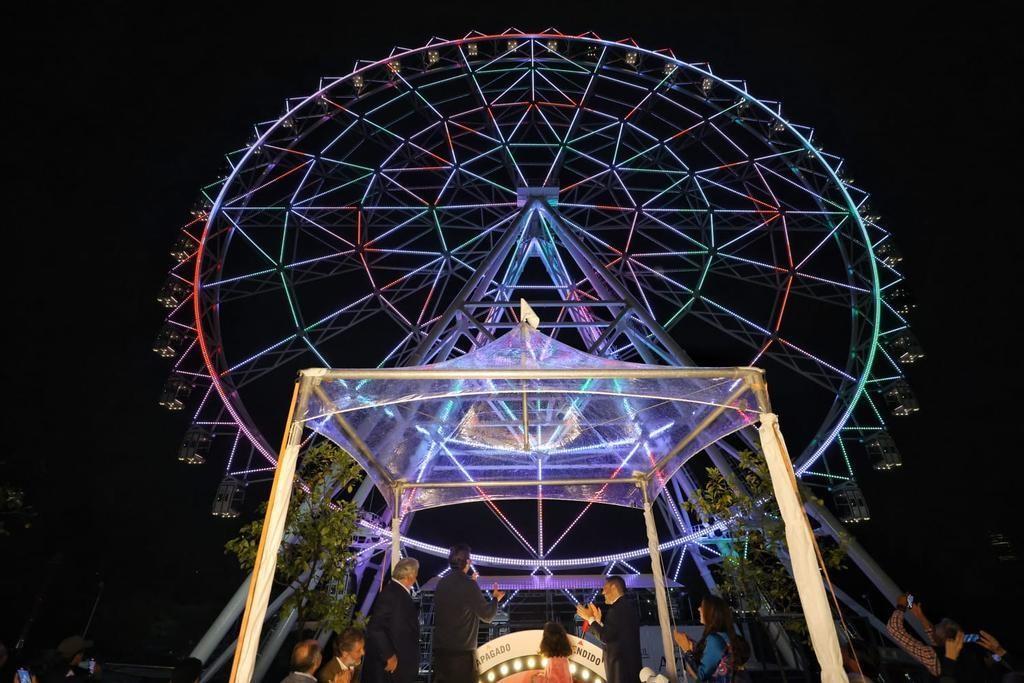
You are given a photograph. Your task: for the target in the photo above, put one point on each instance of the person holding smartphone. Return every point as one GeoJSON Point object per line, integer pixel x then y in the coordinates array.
{"type": "Point", "coordinates": [940, 656]}
{"type": "Point", "coordinates": [998, 653]}
{"type": "Point", "coordinates": [23, 675]}
{"type": "Point", "coordinates": [75, 666]}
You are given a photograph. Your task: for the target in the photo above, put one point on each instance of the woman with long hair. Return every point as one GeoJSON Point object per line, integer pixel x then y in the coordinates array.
{"type": "Point", "coordinates": [711, 658]}
{"type": "Point", "coordinates": [556, 648]}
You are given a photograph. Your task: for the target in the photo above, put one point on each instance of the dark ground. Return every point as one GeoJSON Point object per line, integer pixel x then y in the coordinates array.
{"type": "Point", "coordinates": [119, 115]}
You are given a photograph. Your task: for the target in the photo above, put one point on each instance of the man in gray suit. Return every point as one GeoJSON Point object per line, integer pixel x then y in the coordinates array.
{"type": "Point", "coordinates": [305, 662]}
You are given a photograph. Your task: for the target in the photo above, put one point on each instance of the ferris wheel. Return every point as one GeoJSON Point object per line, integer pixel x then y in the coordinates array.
{"type": "Point", "coordinates": [384, 220]}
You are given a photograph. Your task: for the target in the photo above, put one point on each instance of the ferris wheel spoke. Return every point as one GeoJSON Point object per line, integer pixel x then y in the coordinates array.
{"type": "Point", "coordinates": [828, 237]}
{"type": "Point", "coordinates": [762, 206]}
{"type": "Point", "coordinates": [829, 381]}
{"type": "Point", "coordinates": [248, 276]}
{"type": "Point", "coordinates": [678, 233]}
{"type": "Point", "coordinates": [277, 346]}
{"type": "Point", "coordinates": [818, 198]}
{"type": "Point", "coordinates": [625, 189]}
{"type": "Point", "coordinates": [483, 494]}
{"type": "Point", "coordinates": [515, 174]}
{"type": "Point", "coordinates": [647, 96]}
{"type": "Point", "coordinates": [598, 131]}
{"type": "Point", "coordinates": [550, 127]}
{"type": "Point", "coordinates": [496, 101]}
{"type": "Point", "coordinates": [422, 98]}
{"type": "Point", "coordinates": [275, 179]}
{"type": "Point", "coordinates": [303, 216]}
{"type": "Point", "coordinates": [673, 185]}
{"type": "Point", "coordinates": [568, 100]}
{"type": "Point", "coordinates": [739, 150]}
{"type": "Point", "coordinates": [615, 473]}
{"type": "Point", "coordinates": [402, 141]}
{"type": "Point", "coordinates": [299, 203]}
{"type": "Point", "coordinates": [760, 229]}
{"type": "Point", "coordinates": [805, 285]}
{"type": "Point", "coordinates": [770, 334]}
{"type": "Point", "coordinates": [403, 188]}
{"type": "Point", "coordinates": [578, 68]}
{"type": "Point", "coordinates": [556, 164]}
{"type": "Point", "coordinates": [727, 166]}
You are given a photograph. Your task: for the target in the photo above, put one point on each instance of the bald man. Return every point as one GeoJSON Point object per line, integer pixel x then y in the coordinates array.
{"type": "Point", "coordinates": [305, 661]}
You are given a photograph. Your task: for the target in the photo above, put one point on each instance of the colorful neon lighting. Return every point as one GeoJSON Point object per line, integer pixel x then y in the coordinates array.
{"type": "Point", "coordinates": [550, 94]}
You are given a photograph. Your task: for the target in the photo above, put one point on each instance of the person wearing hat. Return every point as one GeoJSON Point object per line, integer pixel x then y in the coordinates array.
{"type": "Point", "coordinates": [71, 651]}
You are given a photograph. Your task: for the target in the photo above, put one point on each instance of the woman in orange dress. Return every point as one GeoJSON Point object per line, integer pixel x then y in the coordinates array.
{"type": "Point", "coordinates": [556, 648]}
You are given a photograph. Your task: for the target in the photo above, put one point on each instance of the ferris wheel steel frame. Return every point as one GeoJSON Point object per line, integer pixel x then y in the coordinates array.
{"type": "Point", "coordinates": [569, 231]}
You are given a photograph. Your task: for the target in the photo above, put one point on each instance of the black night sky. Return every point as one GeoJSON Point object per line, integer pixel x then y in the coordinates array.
{"type": "Point", "coordinates": [119, 113]}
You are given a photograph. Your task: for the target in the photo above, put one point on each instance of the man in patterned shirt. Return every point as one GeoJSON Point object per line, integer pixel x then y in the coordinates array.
{"type": "Point", "coordinates": [946, 638]}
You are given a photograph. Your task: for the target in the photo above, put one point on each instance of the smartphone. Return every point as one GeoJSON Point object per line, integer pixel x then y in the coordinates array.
{"type": "Point", "coordinates": [24, 676]}
{"type": "Point", "coordinates": [971, 637]}
{"type": "Point", "coordinates": [89, 664]}
{"type": "Point", "coordinates": [910, 600]}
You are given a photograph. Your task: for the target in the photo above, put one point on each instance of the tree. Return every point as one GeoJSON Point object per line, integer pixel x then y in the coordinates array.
{"type": "Point", "coordinates": [316, 555]}
{"type": "Point", "coordinates": [753, 575]}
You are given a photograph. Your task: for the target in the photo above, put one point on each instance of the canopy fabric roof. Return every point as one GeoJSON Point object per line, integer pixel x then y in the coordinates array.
{"type": "Point", "coordinates": [527, 416]}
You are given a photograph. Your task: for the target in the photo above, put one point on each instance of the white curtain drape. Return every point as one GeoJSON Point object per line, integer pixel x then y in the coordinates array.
{"type": "Point", "coordinates": [804, 558]}
{"type": "Point", "coordinates": [270, 542]}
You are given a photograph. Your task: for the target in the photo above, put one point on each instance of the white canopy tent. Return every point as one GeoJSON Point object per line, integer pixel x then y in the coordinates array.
{"type": "Point", "coordinates": [525, 414]}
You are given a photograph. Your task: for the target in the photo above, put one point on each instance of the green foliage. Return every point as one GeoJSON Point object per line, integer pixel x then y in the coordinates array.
{"type": "Point", "coordinates": [751, 575]}
{"type": "Point", "coordinates": [317, 541]}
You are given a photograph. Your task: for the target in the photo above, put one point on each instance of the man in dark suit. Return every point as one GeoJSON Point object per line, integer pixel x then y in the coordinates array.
{"type": "Point", "coordinates": [459, 607]}
{"type": "Point", "coordinates": [618, 629]}
{"type": "Point", "coordinates": [393, 635]}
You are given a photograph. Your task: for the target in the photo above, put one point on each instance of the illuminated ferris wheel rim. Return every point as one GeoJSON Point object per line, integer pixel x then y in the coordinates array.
{"type": "Point", "coordinates": [229, 396]}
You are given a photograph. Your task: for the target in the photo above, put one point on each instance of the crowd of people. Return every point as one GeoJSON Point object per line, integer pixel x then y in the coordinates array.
{"type": "Point", "coordinates": [388, 650]}
{"type": "Point", "coordinates": [720, 655]}
{"type": "Point", "coordinates": [942, 650]}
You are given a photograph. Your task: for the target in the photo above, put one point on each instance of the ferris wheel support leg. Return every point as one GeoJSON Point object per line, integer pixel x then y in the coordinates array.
{"type": "Point", "coordinates": [272, 645]}
{"type": "Point", "coordinates": [856, 552]}
{"type": "Point", "coordinates": [683, 480]}
{"type": "Point", "coordinates": [861, 611]}
{"type": "Point", "coordinates": [273, 642]}
{"type": "Point", "coordinates": [227, 617]}
{"type": "Point", "coordinates": [211, 668]}
{"type": "Point", "coordinates": [483, 275]}
{"type": "Point", "coordinates": [359, 499]}
{"type": "Point", "coordinates": [375, 574]}
{"type": "Point", "coordinates": [836, 531]}
{"type": "Point", "coordinates": [582, 255]}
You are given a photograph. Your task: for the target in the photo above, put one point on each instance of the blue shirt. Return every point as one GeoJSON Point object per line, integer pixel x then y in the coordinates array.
{"type": "Point", "coordinates": [714, 648]}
